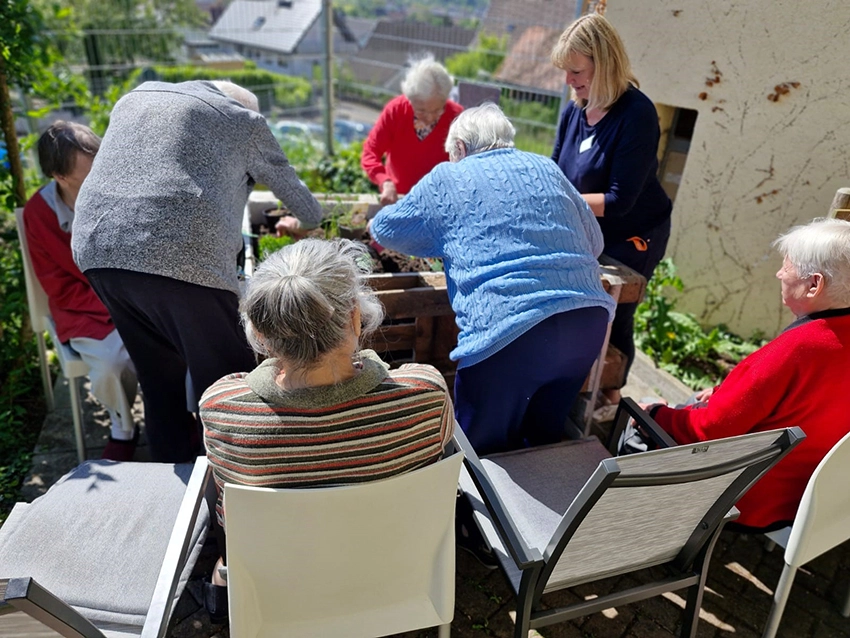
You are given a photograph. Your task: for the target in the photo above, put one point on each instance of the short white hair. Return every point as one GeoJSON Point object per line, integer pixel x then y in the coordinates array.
{"type": "Point", "coordinates": [821, 246]}
{"type": "Point", "coordinates": [426, 78]}
{"type": "Point", "coordinates": [238, 93]}
{"type": "Point", "coordinates": [480, 128]}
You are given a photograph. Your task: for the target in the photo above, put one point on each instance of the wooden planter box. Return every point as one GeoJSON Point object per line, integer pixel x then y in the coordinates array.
{"type": "Point", "coordinates": [420, 324]}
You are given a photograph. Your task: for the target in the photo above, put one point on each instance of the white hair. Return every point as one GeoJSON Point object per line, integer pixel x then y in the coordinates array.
{"type": "Point", "coordinates": [241, 95]}
{"type": "Point", "coordinates": [821, 246]}
{"type": "Point", "coordinates": [426, 78]}
{"type": "Point", "coordinates": [480, 128]}
{"type": "Point", "coordinates": [299, 301]}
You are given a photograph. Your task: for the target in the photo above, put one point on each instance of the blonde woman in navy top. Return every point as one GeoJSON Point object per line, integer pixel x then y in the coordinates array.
{"type": "Point", "coordinates": [607, 144]}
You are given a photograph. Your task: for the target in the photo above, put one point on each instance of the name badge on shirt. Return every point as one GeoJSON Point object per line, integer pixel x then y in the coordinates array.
{"type": "Point", "coordinates": [586, 144]}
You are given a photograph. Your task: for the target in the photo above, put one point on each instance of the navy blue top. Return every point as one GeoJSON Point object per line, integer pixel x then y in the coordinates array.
{"type": "Point", "coordinates": [616, 157]}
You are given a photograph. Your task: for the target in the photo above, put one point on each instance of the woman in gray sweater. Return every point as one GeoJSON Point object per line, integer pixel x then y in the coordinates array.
{"type": "Point", "coordinates": [158, 231]}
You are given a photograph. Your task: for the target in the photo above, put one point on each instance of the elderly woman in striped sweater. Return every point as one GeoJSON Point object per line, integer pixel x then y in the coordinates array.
{"type": "Point", "coordinates": [318, 411]}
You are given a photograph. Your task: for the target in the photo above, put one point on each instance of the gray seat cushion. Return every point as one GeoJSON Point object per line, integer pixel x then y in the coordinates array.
{"type": "Point", "coordinates": [538, 484]}
{"type": "Point", "coordinates": [97, 538]}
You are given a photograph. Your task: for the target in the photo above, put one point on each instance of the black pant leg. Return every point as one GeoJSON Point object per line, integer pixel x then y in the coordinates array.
{"type": "Point", "coordinates": [168, 326]}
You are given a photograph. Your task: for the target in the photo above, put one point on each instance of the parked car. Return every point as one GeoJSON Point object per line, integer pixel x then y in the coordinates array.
{"type": "Point", "coordinates": [288, 132]}
{"type": "Point", "coordinates": [347, 131]}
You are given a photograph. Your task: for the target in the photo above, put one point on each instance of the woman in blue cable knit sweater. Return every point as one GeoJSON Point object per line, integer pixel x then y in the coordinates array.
{"type": "Point", "coordinates": [519, 246]}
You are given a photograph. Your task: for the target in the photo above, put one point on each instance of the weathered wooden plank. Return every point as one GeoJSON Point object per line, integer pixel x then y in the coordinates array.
{"type": "Point", "coordinates": [613, 371]}
{"type": "Point", "coordinates": [394, 337]}
{"type": "Point", "coordinates": [416, 302]}
{"type": "Point", "coordinates": [614, 273]}
{"type": "Point", "coordinates": [425, 340]}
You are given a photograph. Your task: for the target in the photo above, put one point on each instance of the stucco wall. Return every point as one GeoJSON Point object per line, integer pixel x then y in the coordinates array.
{"type": "Point", "coordinates": [756, 166]}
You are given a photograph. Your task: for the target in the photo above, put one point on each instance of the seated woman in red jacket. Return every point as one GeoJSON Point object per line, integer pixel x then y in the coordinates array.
{"type": "Point", "coordinates": [66, 151]}
{"type": "Point", "coordinates": [411, 130]}
{"type": "Point", "coordinates": [799, 378]}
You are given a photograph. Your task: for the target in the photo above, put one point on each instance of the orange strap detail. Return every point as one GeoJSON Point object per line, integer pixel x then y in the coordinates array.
{"type": "Point", "coordinates": [640, 244]}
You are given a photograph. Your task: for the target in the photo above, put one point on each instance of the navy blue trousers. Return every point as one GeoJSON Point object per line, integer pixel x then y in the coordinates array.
{"type": "Point", "coordinates": [644, 262]}
{"type": "Point", "coordinates": [522, 395]}
{"type": "Point", "coordinates": [170, 326]}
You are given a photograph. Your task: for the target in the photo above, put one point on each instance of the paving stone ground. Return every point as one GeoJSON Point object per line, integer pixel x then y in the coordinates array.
{"type": "Point", "coordinates": [737, 600]}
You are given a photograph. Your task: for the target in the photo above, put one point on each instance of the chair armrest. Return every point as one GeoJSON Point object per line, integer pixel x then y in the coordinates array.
{"type": "Point", "coordinates": [37, 602]}
{"type": "Point", "coordinates": [523, 555]}
{"type": "Point", "coordinates": [628, 408]}
{"type": "Point", "coordinates": [177, 551]}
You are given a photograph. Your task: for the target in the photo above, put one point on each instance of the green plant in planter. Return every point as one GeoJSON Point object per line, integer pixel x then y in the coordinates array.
{"type": "Point", "coordinates": [271, 243]}
{"type": "Point", "coordinates": [677, 342]}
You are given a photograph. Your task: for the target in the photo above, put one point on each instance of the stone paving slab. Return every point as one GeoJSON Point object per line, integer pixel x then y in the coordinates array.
{"type": "Point", "coordinates": [737, 600]}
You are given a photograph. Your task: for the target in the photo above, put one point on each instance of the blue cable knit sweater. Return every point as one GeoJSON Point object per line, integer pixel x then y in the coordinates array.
{"type": "Point", "coordinates": [519, 244]}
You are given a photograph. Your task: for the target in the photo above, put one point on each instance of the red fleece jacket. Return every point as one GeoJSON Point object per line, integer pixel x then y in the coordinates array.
{"type": "Point", "coordinates": [799, 378]}
{"type": "Point", "coordinates": [76, 309]}
{"type": "Point", "coordinates": [409, 159]}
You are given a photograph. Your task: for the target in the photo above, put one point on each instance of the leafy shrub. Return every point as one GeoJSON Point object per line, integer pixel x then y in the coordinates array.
{"type": "Point", "coordinates": [677, 342]}
{"type": "Point", "coordinates": [271, 243]}
{"type": "Point", "coordinates": [19, 372]}
{"type": "Point", "coordinates": [340, 173]}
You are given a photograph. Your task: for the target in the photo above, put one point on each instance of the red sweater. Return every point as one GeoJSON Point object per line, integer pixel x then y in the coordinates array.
{"type": "Point", "coordinates": [76, 309]}
{"type": "Point", "coordinates": [799, 378]}
{"type": "Point", "coordinates": [409, 159]}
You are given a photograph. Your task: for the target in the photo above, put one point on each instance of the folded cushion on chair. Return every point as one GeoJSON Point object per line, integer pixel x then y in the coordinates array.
{"type": "Point", "coordinates": [98, 537]}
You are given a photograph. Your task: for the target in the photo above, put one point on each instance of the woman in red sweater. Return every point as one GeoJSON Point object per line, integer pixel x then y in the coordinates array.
{"type": "Point", "coordinates": [411, 131]}
{"type": "Point", "coordinates": [799, 378]}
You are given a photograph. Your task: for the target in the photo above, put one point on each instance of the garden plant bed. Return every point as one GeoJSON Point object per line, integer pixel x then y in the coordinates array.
{"type": "Point", "coordinates": [420, 324]}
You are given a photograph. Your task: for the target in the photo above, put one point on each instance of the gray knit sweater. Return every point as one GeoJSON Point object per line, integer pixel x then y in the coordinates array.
{"type": "Point", "coordinates": [168, 187]}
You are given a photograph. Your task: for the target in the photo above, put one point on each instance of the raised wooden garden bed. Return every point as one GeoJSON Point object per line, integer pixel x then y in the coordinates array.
{"type": "Point", "coordinates": [420, 324]}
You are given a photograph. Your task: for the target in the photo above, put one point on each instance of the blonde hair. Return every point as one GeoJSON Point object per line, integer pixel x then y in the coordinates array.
{"type": "Point", "coordinates": [593, 36]}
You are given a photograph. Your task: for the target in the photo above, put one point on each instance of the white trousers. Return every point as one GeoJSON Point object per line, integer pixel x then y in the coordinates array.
{"type": "Point", "coordinates": [113, 379]}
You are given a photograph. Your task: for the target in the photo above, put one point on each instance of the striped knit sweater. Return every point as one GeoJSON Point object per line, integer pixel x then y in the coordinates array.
{"type": "Point", "coordinates": [378, 424]}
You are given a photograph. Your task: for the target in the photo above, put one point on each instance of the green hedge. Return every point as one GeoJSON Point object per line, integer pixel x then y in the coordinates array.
{"type": "Point", "coordinates": [271, 89]}
{"type": "Point", "coordinates": [21, 407]}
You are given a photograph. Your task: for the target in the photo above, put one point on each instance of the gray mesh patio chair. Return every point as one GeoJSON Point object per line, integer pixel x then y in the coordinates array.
{"type": "Point", "coordinates": [107, 551]}
{"type": "Point", "coordinates": [569, 514]}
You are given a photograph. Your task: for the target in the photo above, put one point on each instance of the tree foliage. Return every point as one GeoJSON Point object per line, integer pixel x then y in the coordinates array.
{"type": "Point", "coordinates": [483, 60]}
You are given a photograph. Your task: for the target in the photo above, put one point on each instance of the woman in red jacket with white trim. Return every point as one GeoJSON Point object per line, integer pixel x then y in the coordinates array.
{"type": "Point", "coordinates": [799, 378]}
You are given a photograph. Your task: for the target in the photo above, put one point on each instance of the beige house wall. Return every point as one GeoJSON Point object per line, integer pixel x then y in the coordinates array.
{"type": "Point", "coordinates": [761, 160]}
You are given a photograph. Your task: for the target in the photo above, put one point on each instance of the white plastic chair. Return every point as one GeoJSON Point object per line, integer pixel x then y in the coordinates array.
{"type": "Point", "coordinates": [359, 561]}
{"type": "Point", "coordinates": [73, 367]}
{"type": "Point", "coordinates": [822, 522]}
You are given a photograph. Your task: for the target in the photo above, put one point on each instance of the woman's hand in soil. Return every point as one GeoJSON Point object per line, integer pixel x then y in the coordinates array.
{"type": "Point", "coordinates": [290, 227]}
